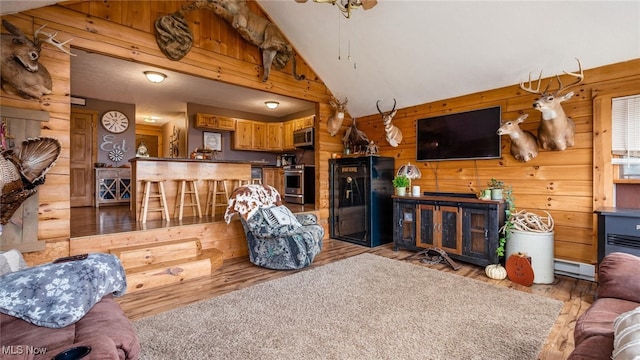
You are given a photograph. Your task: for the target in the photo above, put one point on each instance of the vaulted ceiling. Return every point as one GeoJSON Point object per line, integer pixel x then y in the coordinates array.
{"type": "Point", "coordinates": [422, 51]}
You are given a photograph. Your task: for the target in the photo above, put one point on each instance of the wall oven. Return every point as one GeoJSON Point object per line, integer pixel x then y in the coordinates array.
{"type": "Point", "coordinates": [299, 184]}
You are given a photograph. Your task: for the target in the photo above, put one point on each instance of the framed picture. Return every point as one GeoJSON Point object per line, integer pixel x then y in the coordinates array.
{"type": "Point", "coordinates": [212, 141]}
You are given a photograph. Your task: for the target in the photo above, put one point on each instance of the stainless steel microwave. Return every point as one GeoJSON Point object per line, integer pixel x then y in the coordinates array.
{"type": "Point", "coordinates": [303, 138]}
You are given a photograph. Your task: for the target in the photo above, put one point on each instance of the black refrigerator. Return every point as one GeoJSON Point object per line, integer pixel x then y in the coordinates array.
{"type": "Point", "coordinates": [360, 204]}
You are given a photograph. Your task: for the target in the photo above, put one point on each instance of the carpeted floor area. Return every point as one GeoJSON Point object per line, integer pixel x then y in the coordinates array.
{"type": "Point", "coordinates": [363, 307]}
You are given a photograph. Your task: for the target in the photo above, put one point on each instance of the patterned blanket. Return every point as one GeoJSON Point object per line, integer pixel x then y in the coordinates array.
{"type": "Point", "coordinates": [57, 295]}
{"type": "Point", "coordinates": [246, 200]}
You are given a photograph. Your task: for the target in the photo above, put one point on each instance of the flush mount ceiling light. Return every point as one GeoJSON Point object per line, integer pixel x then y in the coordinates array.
{"type": "Point", "coordinates": [345, 6]}
{"type": "Point", "coordinates": [151, 119]}
{"type": "Point", "coordinates": [271, 104]}
{"type": "Point", "coordinates": [154, 76]}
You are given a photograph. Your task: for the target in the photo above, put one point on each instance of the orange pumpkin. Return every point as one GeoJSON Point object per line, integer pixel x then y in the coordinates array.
{"type": "Point", "coordinates": [519, 269]}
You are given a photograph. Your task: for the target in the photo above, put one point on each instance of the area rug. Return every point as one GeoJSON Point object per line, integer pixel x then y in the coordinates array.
{"type": "Point", "coordinates": [363, 307]}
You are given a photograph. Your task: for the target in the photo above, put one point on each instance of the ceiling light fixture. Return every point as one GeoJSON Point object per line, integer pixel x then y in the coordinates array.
{"type": "Point", "coordinates": [155, 76]}
{"type": "Point", "coordinates": [150, 119]}
{"type": "Point", "coordinates": [271, 104]}
{"type": "Point", "coordinates": [345, 6]}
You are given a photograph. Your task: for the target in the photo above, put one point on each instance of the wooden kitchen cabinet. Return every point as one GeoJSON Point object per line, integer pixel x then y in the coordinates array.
{"type": "Point", "coordinates": [213, 122]}
{"type": "Point", "coordinates": [274, 136]}
{"type": "Point", "coordinates": [465, 227]}
{"type": "Point", "coordinates": [287, 135]}
{"type": "Point", "coordinates": [275, 177]}
{"type": "Point", "coordinates": [259, 135]}
{"type": "Point", "coordinates": [243, 136]}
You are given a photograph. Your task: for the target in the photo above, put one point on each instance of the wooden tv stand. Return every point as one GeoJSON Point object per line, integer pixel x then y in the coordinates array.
{"type": "Point", "coordinates": [460, 224]}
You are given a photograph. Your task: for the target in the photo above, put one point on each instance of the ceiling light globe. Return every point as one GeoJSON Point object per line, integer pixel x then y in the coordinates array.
{"type": "Point", "coordinates": [154, 76]}
{"type": "Point", "coordinates": [271, 104]}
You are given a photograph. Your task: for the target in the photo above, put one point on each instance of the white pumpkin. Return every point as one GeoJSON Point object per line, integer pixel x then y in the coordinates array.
{"type": "Point", "coordinates": [496, 271]}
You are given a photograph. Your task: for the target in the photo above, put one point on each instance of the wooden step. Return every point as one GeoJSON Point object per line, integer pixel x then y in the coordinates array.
{"type": "Point", "coordinates": [148, 254]}
{"type": "Point", "coordinates": [172, 272]}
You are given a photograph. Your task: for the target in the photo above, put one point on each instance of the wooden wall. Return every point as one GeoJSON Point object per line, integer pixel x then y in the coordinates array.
{"type": "Point", "coordinates": [560, 182]}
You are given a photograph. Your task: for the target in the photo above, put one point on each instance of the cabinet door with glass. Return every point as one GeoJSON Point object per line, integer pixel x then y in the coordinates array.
{"type": "Point", "coordinates": [113, 185]}
{"type": "Point", "coordinates": [404, 218]}
{"type": "Point", "coordinates": [440, 226]}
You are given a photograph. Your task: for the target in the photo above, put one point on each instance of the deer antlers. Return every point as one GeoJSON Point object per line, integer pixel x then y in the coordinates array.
{"type": "Point", "coordinates": [579, 76]}
{"type": "Point", "coordinates": [51, 40]}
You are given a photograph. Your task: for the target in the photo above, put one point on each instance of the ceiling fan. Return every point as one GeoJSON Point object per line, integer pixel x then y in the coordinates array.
{"type": "Point", "coordinates": [346, 6]}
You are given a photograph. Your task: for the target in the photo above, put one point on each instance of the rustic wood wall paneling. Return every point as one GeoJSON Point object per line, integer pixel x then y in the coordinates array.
{"type": "Point", "coordinates": [558, 182]}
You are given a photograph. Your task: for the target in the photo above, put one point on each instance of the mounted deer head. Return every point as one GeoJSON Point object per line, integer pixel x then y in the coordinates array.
{"type": "Point", "coordinates": [335, 121]}
{"type": "Point", "coordinates": [556, 130]}
{"type": "Point", "coordinates": [392, 132]}
{"type": "Point", "coordinates": [524, 146]}
{"type": "Point", "coordinates": [20, 72]}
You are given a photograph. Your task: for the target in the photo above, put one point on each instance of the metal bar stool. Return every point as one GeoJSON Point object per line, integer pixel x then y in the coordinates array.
{"type": "Point", "coordinates": [217, 196]}
{"type": "Point", "coordinates": [194, 198]}
{"type": "Point", "coordinates": [148, 194]}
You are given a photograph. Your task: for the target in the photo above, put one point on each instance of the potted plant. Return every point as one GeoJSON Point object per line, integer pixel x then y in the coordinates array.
{"type": "Point", "coordinates": [496, 187]}
{"type": "Point", "coordinates": [400, 183]}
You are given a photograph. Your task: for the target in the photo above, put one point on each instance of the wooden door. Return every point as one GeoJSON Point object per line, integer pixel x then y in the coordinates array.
{"type": "Point", "coordinates": [81, 157]}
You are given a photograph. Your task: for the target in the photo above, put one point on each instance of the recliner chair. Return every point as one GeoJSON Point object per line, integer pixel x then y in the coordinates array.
{"type": "Point", "coordinates": [277, 239]}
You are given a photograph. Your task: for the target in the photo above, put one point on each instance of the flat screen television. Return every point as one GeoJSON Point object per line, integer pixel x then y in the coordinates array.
{"type": "Point", "coordinates": [460, 136]}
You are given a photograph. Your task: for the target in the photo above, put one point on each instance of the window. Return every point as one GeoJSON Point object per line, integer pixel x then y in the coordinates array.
{"type": "Point", "coordinates": [625, 137]}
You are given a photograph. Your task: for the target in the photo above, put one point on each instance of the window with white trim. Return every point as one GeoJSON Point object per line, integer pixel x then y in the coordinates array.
{"type": "Point", "coordinates": [625, 136]}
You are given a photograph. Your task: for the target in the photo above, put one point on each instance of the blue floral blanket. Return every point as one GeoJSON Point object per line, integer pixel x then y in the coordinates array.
{"type": "Point", "coordinates": [57, 295]}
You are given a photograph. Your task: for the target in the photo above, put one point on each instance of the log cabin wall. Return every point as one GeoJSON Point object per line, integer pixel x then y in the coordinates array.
{"type": "Point", "coordinates": [560, 182]}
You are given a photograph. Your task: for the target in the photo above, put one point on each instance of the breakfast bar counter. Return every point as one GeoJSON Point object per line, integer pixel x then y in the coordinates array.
{"type": "Point", "coordinates": [170, 170]}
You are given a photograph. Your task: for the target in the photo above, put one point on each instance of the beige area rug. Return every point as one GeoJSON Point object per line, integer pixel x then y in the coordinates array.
{"type": "Point", "coordinates": [364, 307]}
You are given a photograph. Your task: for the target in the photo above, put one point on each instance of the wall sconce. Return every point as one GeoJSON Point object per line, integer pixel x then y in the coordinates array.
{"type": "Point", "coordinates": [154, 76]}
{"type": "Point", "coordinates": [409, 170]}
{"type": "Point", "coordinates": [271, 104]}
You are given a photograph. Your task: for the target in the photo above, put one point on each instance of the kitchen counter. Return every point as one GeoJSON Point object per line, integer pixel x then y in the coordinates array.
{"type": "Point", "coordinates": [147, 168]}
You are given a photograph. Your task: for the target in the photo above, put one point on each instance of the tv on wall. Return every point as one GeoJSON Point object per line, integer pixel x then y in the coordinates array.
{"type": "Point", "coordinates": [460, 136]}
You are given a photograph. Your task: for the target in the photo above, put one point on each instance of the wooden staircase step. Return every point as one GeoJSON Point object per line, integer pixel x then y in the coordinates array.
{"type": "Point", "coordinates": [147, 254]}
{"type": "Point", "coordinates": [172, 272]}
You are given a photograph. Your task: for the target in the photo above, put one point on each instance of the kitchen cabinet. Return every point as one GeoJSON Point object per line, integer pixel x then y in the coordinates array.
{"type": "Point", "coordinates": [243, 136]}
{"type": "Point", "coordinates": [113, 185]}
{"type": "Point", "coordinates": [465, 227]}
{"type": "Point", "coordinates": [274, 136]}
{"type": "Point", "coordinates": [303, 123]}
{"type": "Point", "coordinates": [287, 135]}
{"type": "Point", "coordinates": [259, 135]}
{"type": "Point", "coordinates": [274, 176]}
{"type": "Point", "coordinates": [213, 122]}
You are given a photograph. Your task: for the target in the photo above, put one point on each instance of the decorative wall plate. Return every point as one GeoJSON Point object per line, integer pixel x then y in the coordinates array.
{"type": "Point", "coordinates": [116, 155]}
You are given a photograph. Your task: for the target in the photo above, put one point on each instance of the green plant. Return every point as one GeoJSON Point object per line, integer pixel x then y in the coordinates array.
{"type": "Point", "coordinates": [505, 230]}
{"type": "Point", "coordinates": [495, 184]}
{"type": "Point", "coordinates": [401, 181]}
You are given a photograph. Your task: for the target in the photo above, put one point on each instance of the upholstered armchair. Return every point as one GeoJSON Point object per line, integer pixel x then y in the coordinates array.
{"type": "Point", "coordinates": [277, 238]}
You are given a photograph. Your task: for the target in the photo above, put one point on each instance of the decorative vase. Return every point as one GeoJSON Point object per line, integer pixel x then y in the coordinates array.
{"type": "Point", "coordinates": [401, 191]}
{"type": "Point", "coordinates": [496, 194]}
{"type": "Point", "coordinates": [485, 194]}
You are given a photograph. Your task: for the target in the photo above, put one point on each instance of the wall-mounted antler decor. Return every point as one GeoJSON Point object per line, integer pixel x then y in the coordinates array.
{"type": "Point", "coordinates": [175, 39]}
{"type": "Point", "coordinates": [556, 130]}
{"type": "Point", "coordinates": [21, 73]}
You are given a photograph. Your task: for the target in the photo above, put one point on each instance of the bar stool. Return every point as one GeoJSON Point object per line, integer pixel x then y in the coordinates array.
{"type": "Point", "coordinates": [159, 194]}
{"type": "Point", "coordinates": [194, 198]}
{"type": "Point", "coordinates": [256, 181]}
{"type": "Point", "coordinates": [217, 196]}
{"type": "Point", "coordinates": [236, 183]}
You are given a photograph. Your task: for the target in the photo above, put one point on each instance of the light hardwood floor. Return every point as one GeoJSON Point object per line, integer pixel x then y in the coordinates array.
{"type": "Point", "coordinates": [236, 274]}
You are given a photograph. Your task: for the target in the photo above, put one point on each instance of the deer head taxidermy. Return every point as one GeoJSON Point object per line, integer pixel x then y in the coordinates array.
{"type": "Point", "coordinates": [556, 130]}
{"type": "Point", "coordinates": [175, 39]}
{"type": "Point", "coordinates": [392, 132]}
{"type": "Point", "coordinates": [335, 121]}
{"type": "Point", "coordinates": [21, 73]}
{"type": "Point", "coordinates": [524, 145]}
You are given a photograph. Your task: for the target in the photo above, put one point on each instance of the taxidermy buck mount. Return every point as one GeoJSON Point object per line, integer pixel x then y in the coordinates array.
{"type": "Point", "coordinates": [524, 145]}
{"type": "Point", "coordinates": [556, 130]}
{"type": "Point", "coordinates": [174, 38]}
{"type": "Point", "coordinates": [335, 121]}
{"type": "Point", "coordinates": [20, 73]}
{"type": "Point", "coordinates": [392, 133]}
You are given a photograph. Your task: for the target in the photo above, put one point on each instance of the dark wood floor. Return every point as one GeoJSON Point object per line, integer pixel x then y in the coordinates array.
{"type": "Point", "coordinates": [239, 273]}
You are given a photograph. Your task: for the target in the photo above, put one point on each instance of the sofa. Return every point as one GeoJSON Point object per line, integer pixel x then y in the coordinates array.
{"type": "Point", "coordinates": [599, 330]}
{"type": "Point", "coordinates": [47, 309]}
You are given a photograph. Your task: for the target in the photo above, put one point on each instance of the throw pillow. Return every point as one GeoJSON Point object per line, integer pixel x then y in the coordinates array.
{"type": "Point", "coordinates": [11, 261]}
{"type": "Point", "coordinates": [280, 215]}
{"type": "Point", "coordinates": [626, 335]}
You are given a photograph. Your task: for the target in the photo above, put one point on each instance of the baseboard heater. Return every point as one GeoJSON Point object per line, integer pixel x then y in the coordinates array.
{"type": "Point", "coordinates": [574, 269]}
